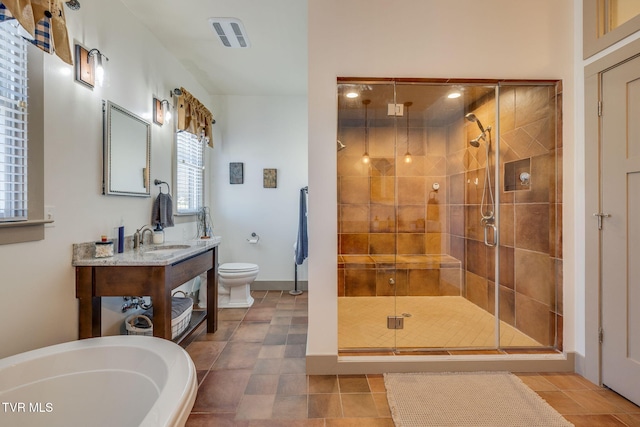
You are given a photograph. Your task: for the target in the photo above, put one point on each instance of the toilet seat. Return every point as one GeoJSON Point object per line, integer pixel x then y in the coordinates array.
{"type": "Point", "coordinates": [234, 284]}
{"type": "Point", "coordinates": [237, 267]}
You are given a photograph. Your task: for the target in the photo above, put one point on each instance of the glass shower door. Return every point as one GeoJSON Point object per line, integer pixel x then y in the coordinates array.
{"type": "Point", "coordinates": [446, 221]}
{"type": "Point", "coordinates": [366, 216]}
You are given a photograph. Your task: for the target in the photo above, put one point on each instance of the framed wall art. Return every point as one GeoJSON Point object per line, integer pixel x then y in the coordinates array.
{"type": "Point", "coordinates": [236, 173]}
{"type": "Point", "coordinates": [270, 178]}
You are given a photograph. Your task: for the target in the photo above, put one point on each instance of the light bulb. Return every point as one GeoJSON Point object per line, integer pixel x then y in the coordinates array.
{"type": "Point", "coordinates": [99, 70]}
{"type": "Point", "coordinates": [407, 157]}
{"type": "Point", "coordinates": [365, 158]}
{"type": "Point", "coordinates": [166, 110]}
{"type": "Point", "coordinates": [100, 76]}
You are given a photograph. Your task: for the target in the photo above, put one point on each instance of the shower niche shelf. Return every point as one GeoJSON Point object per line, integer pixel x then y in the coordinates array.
{"type": "Point", "coordinates": [517, 175]}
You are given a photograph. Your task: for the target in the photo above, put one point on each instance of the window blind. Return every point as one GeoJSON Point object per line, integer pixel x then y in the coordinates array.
{"type": "Point", "coordinates": [189, 172]}
{"type": "Point", "coordinates": [13, 123]}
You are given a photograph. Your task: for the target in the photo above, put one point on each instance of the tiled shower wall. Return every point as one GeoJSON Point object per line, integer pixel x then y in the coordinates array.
{"type": "Point", "coordinates": [447, 221]}
{"type": "Point", "coordinates": [530, 218]}
{"type": "Point", "coordinates": [369, 223]}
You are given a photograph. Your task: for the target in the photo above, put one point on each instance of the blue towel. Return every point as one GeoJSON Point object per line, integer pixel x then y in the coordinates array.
{"type": "Point", "coordinates": [302, 244]}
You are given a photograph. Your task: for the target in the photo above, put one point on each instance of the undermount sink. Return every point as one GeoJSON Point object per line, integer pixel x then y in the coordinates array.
{"type": "Point", "coordinates": [164, 249]}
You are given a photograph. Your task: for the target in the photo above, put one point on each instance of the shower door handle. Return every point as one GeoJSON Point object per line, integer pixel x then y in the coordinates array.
{"type": "Point", "coordinates": [487, 226]}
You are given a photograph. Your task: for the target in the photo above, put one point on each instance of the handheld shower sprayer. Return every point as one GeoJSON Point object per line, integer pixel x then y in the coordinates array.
{"type": "Point", "coordinates": [476, 141]}
{"type": "Point", "coordinates": [487, 205]}
{"type": "Point", "coordinates": [472, 118]}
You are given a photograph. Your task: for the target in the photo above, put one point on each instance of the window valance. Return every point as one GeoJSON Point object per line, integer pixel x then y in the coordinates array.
{"type": "Point", "coordinates": [44, 21]}
{"type": "Point", "coordinates": [194, 117]}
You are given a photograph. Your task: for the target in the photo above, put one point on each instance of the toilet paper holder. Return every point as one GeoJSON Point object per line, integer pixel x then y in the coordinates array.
{"type": "Point", "coordinates": [254, 238]}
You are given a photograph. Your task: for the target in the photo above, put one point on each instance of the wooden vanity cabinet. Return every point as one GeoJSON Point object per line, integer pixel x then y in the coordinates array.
{"type": "Point", "coordinates": [155, 281]}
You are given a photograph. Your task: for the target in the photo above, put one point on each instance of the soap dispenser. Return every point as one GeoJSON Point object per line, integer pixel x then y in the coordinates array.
{"type": "Point", "coordinates": [158, 235]}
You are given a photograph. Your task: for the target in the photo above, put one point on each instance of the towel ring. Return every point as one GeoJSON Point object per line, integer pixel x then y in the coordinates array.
{"type": "Point", "coordinates": [158, 182]}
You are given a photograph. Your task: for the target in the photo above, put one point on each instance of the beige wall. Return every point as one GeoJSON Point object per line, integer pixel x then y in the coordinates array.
{"type": "Point", "coordinates": [38, 306]}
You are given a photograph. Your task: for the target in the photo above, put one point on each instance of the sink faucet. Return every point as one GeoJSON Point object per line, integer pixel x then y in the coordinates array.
{"type": "Point", "coordinates": [138, 236]}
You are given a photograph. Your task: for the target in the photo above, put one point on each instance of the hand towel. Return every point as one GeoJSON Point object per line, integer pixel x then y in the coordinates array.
{"type": "Point", "coordinates": [302, 244]}
{"type": "Point", "coordinates": [162, 211]}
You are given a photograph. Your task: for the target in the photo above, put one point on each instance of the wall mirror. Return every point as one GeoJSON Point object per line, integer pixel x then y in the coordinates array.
{"type": "Point", "coordinates": [127, 148]}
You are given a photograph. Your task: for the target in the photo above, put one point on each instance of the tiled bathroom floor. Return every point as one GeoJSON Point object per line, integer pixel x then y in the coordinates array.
{"type": "Point", "coordinates": [251, 373]}
{"type": "Point", "coordinates": [431, 322]}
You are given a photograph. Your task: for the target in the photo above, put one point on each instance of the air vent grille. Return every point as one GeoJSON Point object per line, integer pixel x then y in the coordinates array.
{"type": "Point", "coordinates": [221, 34]}
{"type": "Point", "coordinates": [230, 31]}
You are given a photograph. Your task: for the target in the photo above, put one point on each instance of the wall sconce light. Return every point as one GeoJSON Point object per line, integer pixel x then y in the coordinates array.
{"type": "Point", "coordinates": [161, 111]}
{"type": "Point", "coordinates": [90, 66]}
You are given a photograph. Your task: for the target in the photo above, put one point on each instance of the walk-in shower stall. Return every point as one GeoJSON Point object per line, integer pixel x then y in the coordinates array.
{"type": "Point", "coordinates": [449, 215]}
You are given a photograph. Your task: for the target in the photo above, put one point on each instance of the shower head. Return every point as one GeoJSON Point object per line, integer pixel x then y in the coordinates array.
{"type": "Point", "coordinates": [341, 146]}
{"type": "Point", "coordinates": [472, 118]}
{"type": "Point", "coordinates": [476, 141]}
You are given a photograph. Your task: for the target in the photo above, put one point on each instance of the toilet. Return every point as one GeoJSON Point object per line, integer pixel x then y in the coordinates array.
{"type": "Point", "coordinates": [234, 280]}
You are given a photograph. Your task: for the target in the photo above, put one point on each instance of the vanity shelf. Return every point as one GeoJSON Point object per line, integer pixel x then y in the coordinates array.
{"type": "Point", "coordinates": [197, 318]}
{"type": "Point", "coordinates": [136, 274]}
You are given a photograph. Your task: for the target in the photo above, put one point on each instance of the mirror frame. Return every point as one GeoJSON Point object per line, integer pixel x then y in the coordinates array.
{"type": "Point", "coordinates": [108, 147]}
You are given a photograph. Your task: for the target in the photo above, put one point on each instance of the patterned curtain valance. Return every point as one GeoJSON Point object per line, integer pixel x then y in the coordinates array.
{"type": "Point", "coordinates": [194, 117]}
{"type": "Point", "coordinates": [44, 21]}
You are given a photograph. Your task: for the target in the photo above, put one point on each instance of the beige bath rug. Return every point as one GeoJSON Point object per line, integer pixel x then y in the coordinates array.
{"type": "Point", "coordinates": [467, 399]}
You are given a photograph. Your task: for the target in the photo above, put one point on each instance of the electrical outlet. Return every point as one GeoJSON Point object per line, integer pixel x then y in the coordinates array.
{"type": "Point", "coordinates": [50, 215]}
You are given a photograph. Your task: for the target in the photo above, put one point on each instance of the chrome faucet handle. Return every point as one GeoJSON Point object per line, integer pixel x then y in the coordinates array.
{"type": "Point", "coordinates": [138, 237]}
{"type": "Point", "coordinates": [140, 233]}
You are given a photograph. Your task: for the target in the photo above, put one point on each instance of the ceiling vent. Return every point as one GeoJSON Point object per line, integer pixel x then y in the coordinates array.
{"type": "Point", "coordinates": [230, 31]}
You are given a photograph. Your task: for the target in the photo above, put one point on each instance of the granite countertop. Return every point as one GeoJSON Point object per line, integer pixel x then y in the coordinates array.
{"type": "Point", "coordinates": [146, 255]}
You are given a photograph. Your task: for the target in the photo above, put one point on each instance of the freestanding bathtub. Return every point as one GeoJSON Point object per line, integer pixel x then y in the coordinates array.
{"type": "Point", "coordinates": [107, 381]}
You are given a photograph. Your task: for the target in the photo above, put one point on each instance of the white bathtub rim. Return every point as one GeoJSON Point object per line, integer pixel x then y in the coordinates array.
{"type": "Point", "coordinates": [175, 400]}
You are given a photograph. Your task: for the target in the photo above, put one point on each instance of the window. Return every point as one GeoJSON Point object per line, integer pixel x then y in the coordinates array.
{"type": "Point", "coordinates": [21, 158]}
{"type": "Point", "coordinates": [189, 173]}
{"type": "Point", "coordinates": [606, 22]}
{"type": "Point", "coordinates": [13, 124]}
{"type": "Point", "coordinates": [613, 13]}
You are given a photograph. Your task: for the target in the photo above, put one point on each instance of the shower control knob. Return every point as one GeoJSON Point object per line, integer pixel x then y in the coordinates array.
{"type": "Point", "coordinates": [392, 282]}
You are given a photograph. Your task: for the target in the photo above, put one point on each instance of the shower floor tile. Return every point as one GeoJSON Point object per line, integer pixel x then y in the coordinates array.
{"type": "Point", "coordinates": [429, 322]}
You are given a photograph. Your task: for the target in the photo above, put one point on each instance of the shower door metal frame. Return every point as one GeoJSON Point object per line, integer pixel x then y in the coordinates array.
{"type": "Point", "coordinates": [496, 213]}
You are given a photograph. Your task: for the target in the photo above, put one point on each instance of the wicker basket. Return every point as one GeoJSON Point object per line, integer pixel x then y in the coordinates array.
{"type": "Point", "coordinates": [141, 324]}
{"type": "Point", "coordinates": [144, 325]}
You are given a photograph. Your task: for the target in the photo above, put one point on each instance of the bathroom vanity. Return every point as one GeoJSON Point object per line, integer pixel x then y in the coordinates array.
{"type": "Point", "coordinates": [151, 270]}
